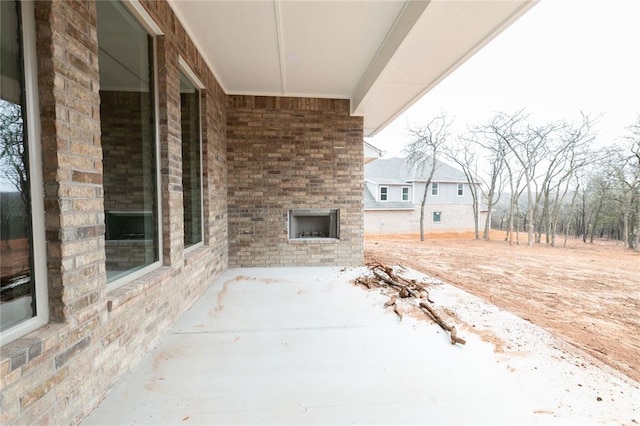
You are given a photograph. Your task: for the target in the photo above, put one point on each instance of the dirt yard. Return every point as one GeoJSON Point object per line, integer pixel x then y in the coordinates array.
{"type": "Point", "coordinates": [587, 294]}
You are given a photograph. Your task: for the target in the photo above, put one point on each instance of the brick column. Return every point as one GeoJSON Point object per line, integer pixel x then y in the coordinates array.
{"type": "Point", "coordinates": [72, 159]}
{"type": "Point", "coordinates": [170, 152]}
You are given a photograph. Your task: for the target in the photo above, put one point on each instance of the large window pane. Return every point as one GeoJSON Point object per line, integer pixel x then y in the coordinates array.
{"type": "Point", "coordinates": [128, 141]}
{"type": "Point", "coordinates": [191, 164]}
{"type": "Point", "coordinates": [17, 301]}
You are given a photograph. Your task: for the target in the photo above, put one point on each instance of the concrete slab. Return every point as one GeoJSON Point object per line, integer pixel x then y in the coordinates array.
{"type": "Point", "coordinates": [303, 345]}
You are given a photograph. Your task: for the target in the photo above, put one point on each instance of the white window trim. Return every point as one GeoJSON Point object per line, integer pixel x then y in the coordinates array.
{"type": "Point", "coordinates": [437, 188]}
{"type": "Point", "coordinates": [439, 216]}
{"type": "Point", "coordinates": [380, 194]}
{"type": "Point", "coordinates": [458, 186]}
{"type": "Point", "coordinates": [142, 16]}
{"type": "Point", "coordinates": [408, 200]}
{"type": "Point", "coordinates": [186, 70]}
{"type": "Point", "coordinates": [145, 20]}
{"type": "Point", "coordinates": [35, 179]}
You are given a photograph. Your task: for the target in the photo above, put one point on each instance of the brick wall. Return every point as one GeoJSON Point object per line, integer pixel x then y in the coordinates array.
{"type": "Point", "coordinates": [60, 372]}
{"type": "Point", "coordinates": [292, 153]}
{"type": "Point", "coordinates": [125, 181]}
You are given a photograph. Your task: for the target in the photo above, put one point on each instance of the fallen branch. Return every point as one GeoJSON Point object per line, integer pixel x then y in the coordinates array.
{"type": "Point", "coordinates": [446, 327]}
{"type": "Point", "coordinates": [389, 279]}
{"type": "Point", "coordinates": [392, 302]}
{"type": "Point", "coordinates": [385, 276]}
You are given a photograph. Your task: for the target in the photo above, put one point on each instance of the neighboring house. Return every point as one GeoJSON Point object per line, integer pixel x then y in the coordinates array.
{"type": "Point", "coordinates": [171, 140]}
{"type": "Point", "coordinates": [394, 191]}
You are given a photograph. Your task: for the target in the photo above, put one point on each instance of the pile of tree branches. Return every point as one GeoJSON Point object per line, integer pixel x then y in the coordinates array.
{"type": "Point", "coordinates": [414, 292]}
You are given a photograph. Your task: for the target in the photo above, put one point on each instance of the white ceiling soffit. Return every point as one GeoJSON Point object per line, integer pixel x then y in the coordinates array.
{"type": "Point", "coordinates": [383, 55]}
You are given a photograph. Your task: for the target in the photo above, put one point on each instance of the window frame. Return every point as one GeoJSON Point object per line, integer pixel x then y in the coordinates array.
{"type": "Point", "coordinates": [386, 193]}
{"type": "Point", "coordinates": [188, 72]}
{"type": "Point", "coordinates": [408, 194]}
{"type": "Point", "coordinates": [460, 190]}
{"type": "Point", "coordinates": [36, 180]}
{"type": "Point", "coordinates": [143, 18]}
{"type": "Point", "coordinates": [439, 216]}
{"type": "Point", "coordinates": [435, 189]}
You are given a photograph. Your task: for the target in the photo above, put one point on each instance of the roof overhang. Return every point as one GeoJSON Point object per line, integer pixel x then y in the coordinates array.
{"type": "Point", "coordinates": [371, 152]}
{"type": "Point", "coordinates": [382, 55]}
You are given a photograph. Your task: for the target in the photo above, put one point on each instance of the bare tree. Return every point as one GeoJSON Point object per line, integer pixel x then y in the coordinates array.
{"type": "Point", "coordinates": [423, 150]}
{"type": "Point", "coordinates": [566, 154]}
{"type": "Point", "coordinates": [524, 142]}
{"type": "Point", "coordinates": [463, 153]}
{"type": "Point", "coordinates": [626, 170]}
{"type": "Point", "coordinates": [496, 151]}
{"type": "Point", "coordinates": [528, 143]}
{"type": "Point", "coordinates": [12, 148]}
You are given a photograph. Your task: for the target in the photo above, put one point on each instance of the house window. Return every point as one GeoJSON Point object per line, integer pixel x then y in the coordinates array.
{"type": "Point", "coordinates": [23, 283]}
{"type": "Point", "coordinates": [405, 193]}
{"type": "Point", "coordinates": [129, 145]}
{"type": "Point", "coordinates": [434, 188]}
{"type": "Point", "coordinates": [460, 189]}
{"type": "Point", "coordinates": [191, 161]}
{"type": "Point", "coordinates": [437, 216]}
{"type": "Point", "coordinates": [384, 192]}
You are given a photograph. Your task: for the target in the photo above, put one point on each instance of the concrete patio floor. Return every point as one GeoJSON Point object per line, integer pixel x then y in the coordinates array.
{"type": "Point", "coordinates": [304, 345]}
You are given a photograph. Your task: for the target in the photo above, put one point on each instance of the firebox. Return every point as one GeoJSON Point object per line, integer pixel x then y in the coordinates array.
{"type": "Point", "coordinates": [128, 225]}
{"type": "Point", "coordinates": [314, 223]}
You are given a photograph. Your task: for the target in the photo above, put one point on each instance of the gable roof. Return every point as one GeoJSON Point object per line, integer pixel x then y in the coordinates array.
{"type": "Point", "coordinates": [397, 171]}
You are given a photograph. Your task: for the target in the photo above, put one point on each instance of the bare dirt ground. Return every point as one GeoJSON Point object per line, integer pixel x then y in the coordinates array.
{"type": "Point", "coordinates": [589, 295]}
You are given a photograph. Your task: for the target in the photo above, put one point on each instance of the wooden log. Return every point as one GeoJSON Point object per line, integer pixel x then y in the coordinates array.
{"type": "Point", "coordinates": [446, 327]}
{"type": "Point", "coordinates": [393, 283]}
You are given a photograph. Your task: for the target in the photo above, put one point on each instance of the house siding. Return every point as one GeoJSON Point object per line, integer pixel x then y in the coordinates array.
{"type": "Point", "coordinates": [447, 194]}
{"type": "Point", "coordinates": [292, 153]}
{"type": "Point", "coordinates": [60, 372]}
{"type": "Point", "coordinates": [454, 218]}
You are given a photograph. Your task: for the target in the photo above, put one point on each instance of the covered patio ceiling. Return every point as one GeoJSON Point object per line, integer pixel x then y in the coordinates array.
{"type": "Point", "coordinates": [383, 55]}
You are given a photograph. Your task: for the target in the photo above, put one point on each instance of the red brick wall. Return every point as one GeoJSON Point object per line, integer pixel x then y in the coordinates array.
{"type": "Point", "coordinates": [292, 153]}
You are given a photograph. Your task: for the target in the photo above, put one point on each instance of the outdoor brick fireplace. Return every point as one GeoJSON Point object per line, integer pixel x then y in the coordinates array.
{"type": "Point", "coordinates": [314, 223]}
{"type": "Point", "coordinates": [295, 182]}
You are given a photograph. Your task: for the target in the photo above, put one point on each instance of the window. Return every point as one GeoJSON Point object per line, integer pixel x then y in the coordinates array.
{"type": "Point", "coordinates": [23, 283]}
{"type": "Point", "coordinates": [437, 216]}
{"type": "Point", "coordinates": [434, 188]}
{"type": "Point", "coordinates": [129, 144]}
{"type": "Point", "coordinates": [384, 193]}
{"type": "Point", "coordinates": [405, 193]}
{"type": "Point", "coordinates": [460, 189]}
{"type": "Point", "coordinates": [191, 161]}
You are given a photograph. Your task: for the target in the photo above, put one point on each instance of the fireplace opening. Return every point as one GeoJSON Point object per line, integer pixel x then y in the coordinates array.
{"type": "Point", "coordinates": [314, 223]}
{"type": "Point", "coordinates": [128, 225]}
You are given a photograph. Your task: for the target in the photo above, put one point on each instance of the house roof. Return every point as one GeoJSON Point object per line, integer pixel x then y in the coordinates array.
{"type": "Point", "coordinates": [396, 171]}
{"type": "Point", "coordinates": [382, 55]}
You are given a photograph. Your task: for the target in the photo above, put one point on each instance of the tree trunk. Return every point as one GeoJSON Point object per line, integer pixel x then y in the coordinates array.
{"type": "Point", "coordinates": [636, 233]}
{"type": "Point", "coordinates": [487, 222]}
{"type": "Point", "coordinates": [595, 221]}
{"type": "Point", "coordinates": [424, 200]}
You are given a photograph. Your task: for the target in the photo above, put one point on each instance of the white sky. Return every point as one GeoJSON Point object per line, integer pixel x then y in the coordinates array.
{"type": "Point", "coordinates": [560, 58]}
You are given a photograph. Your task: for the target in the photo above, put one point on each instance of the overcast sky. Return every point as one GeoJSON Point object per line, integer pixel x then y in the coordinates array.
{"type": "Point", "coordinates": [560, 58]}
